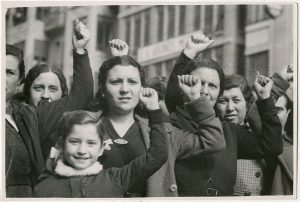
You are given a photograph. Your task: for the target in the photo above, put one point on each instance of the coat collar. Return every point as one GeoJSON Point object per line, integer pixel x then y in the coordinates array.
{"type": "Point", "coordinates": [63, 170]}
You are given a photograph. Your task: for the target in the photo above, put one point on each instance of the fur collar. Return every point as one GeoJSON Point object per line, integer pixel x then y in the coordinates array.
{"type": "Point", "coordinates": [63, 170]}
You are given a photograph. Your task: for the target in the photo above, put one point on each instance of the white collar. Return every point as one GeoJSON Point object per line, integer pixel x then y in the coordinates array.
{"type": "Point", "coordinates": [63, 170]}
{"type": "Point", "coordinates": [10, 120]}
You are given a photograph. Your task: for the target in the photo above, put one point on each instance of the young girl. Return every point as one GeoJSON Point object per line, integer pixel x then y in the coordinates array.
{"type": "Point", "coordinates": [77, 172]}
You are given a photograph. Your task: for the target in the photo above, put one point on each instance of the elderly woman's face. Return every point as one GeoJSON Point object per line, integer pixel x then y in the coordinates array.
{"type": "Point", "coordinates": [122, 87]}
{"type": "Point", "coordinates": [210, 83]}
{"type": "Point", "coordinates": [232, 106]}
{"type": "Point", "coordinates": [45, 87]}
{"type": "Point", "coordinates": [12, 75]}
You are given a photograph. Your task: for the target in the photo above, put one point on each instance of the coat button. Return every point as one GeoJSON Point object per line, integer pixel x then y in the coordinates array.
{"type": "Point", "coordinates": [210, 179]}
{"type": "Point", "coordinates": [258, 174]}
{"type": "Point", "coordinates": [173, 187]}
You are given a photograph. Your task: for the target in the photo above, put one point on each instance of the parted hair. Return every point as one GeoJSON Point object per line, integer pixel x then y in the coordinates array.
{"type": "Point", "coordinates": [125, 60]}
{"type": "Point", "coordinates": [36, 70]}
{"type": "Point", "coordinates": [79, 117]}
{"type": "Point", "coordinates": [17, 52]}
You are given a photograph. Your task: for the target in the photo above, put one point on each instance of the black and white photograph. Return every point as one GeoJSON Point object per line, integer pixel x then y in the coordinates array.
{"type": "Point", "coordinates": [149, 100]}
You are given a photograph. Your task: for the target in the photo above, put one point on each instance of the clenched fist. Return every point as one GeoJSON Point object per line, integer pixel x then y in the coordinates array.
{"type": "Point", "coordinates": [81, 36]}
{"type": "Point", "coordinates": [263, 86]}
{"type": "Point", "coordinates": [118, 47]}
{"type": "Point", "coordinates": [149, 98]}
{"type": "Point", "coordinates": [190, 86]}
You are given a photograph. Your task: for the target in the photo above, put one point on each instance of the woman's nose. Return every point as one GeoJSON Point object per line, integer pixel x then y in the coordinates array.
{"type": "Point", "coordinates": [204, 89]}
{"type": "Point", "coordinates": [45, 94]}
{"type": "Point", "coordinates": [124, 87]}
{"type": "Point", "coordinates": [230, 106]}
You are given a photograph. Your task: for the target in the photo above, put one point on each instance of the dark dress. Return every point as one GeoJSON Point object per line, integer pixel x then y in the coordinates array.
{"type": "Point", "coordinates": [124, 152]}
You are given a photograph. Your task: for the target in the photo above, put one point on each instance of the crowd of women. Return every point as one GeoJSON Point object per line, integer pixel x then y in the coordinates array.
{"type": "Point", "coordinates": [201, 133]}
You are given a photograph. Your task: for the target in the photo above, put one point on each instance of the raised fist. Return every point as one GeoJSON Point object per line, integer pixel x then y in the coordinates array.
{"type": "Point", "coordinates": [190, 86]}
{"type": "Point", "coordinates": [196, 43]}
{"type": "Point", "coordinates": [81, 36]}
{"type": "Point", "coordinates": [149, 98]}
{"type": "Point", "coordinates": [118, 47]}
{"type": "Point", "coordinates": [262, 86]}
{"type": "Point", "coordinates": [287, 74]}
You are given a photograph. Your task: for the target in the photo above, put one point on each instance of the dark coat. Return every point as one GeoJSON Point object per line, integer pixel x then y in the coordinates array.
{"type": "Point", "coordinates": [38, 125]}
{"type": "Point", "coordinates": [216, 173]}
{"type": "Point", "coordinates": [112, 182]}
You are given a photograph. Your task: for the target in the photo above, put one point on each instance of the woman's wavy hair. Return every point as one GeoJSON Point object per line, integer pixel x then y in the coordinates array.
{"type": "Point", "coordinates": [125, 60]}
{"type": "Point", "coordinates": [35, 71]}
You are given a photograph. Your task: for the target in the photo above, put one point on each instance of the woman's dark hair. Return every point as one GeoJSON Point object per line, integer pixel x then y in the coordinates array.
{"type": "Point", "coordinates": [238, 81]}
{"type": "Point", "coordinates": [80, 117]}
{"type": "Point", "coordinates": [107, 65]}
{"type": "Point", "coordinates": [202, 62]}
{"type": "Point", "coordinates": [35, 71]}
{"type": "Point", "coordinates": [17, 52]}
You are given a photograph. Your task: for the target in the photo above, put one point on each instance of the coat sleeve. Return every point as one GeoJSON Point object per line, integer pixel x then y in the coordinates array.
{"type": "Point", "coordinates": [270, 142]}
{"type": "Point", "coordinates": [141, 168]}
{"type": "Point", "coordinates": [173, 97]}
{"type": "Point", "coordinates": [208, 137]}
{"type": "Point", "coordinates": [279, 88]}
{"type": "Point", "coordinates": [81, 93]}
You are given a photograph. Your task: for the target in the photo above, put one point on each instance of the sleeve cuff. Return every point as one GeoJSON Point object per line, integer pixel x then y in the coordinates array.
{"type": "Point", "coordinates": [155, 116]}
{"type": "Point", "coordinates": [85, 52]}
{"type": "Point", "coordinates": [265, 105]}
{"type": "Point", "coordinates": [199, 106]}
{"type": "Point", "coordinates": [185, 57]}
{"type": "Point", "coordinates": [280, 85]}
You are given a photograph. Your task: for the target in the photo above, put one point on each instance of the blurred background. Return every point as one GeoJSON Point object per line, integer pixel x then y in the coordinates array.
{"type": "Point", "coordinates": [248, 37]}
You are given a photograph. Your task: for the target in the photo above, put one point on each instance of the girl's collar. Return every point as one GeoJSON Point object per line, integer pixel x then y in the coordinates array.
{"type": "Point", "coordinates": [64, 170]}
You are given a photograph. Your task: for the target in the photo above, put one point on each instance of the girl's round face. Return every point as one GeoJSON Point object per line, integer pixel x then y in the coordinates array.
{"type": "Point", "coordinates": [12, 76]}
{"type": "Point", "coordinates": [82, 146]}
{"type": "Point", "coordinates": [45, 87]}
{"type": "Point", "coordinates": [232, 106]}
{"type": "Point", "coordinates": [210, 83]}
{"type": "Point", "coordinates": [122, 88]}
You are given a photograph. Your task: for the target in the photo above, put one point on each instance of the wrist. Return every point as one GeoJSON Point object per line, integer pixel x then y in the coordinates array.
{"type": "Point", "coordinates": [263, 97]}
{"type": "Point", "coordinates": [152, 107]}
{"type": "Point", "coordinates": [190, 53]}
{"type": "Point", "coordinates": [192, 98]}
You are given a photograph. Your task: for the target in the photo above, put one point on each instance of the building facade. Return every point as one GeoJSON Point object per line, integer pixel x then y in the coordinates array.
{"type": "Point", "coordinates": [248, 37]}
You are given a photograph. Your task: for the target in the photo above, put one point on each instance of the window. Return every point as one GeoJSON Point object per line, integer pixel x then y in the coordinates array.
{"type": "Point", "coordinates": [257, 62]}
{"type": "Point", "coordinates": [220, 18]}
{"type": "Point", "coordinates": [208, 19]}
{"type": "Point", "coordinates": [197, 20]}
{"type": "Point", "coordinates": [128, 27]}
{"type": "Point", "coordinates": [160, 23]}
{"type": "Point", "coordinates": [42, 13]}
{"type": "Point", "coordinates": [137, 35]}
{"type": "Point", "coordinates": [181, 20]}
{"type": "Point", "coordinates": [256, 13]}
{"type": "Point", "coordinates": [19, 16]}
{"type": "Point", "coordinates": [40, 51]}
{"type": "Point", "coordinates": [103, 32]}
{"type": "Point", "coordinates": [147, 28]}
{"type": "Point", "coordinates": [242, 17]}
{"type": "Point", "coordinates": [171, 21]}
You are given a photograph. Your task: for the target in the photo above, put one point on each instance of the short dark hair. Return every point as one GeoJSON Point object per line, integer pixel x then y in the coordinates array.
{"type": "Point", "coordinates": [289, 103]}
{"type": "Point", "coordinates": [107, 65]}
{"type": "Point", "coordinates": [158, 83]}
{"type": "Point", "coordinates": [238, 81]}
{"type": "Point", "coordinates": [17, 52]}
{"type": "Point", "coordinates": [80, 117]}
{"type": "Point", "coordinates": [35, 71]}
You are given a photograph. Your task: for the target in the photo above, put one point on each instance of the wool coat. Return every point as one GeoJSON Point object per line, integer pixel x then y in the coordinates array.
{"type": "Point", "coordinates": [66, 182]}
{"type": "Point", "coordinates": [38, 125]}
